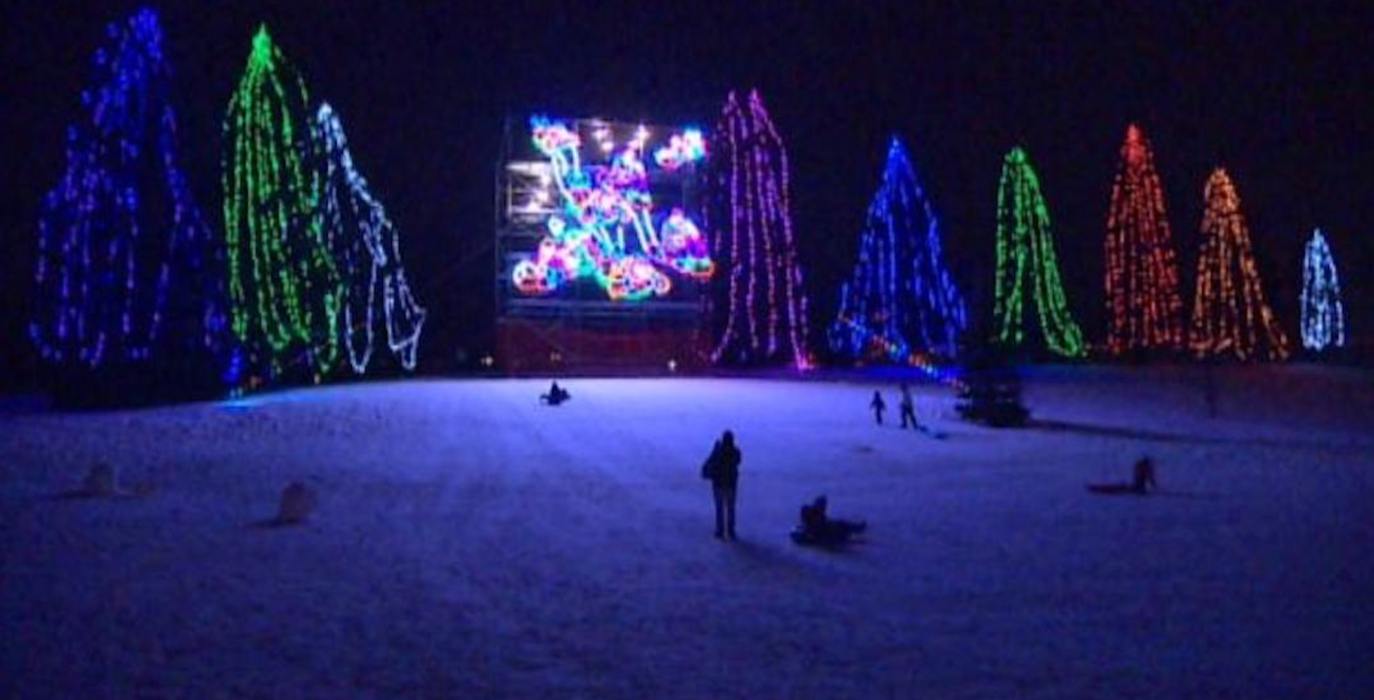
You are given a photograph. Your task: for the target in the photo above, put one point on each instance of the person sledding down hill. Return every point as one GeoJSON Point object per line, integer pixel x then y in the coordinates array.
{"type": "Point", "coordinates": [556, 395]}
{"type": "Point", "coordinates": [1142, 481]}
{"type": "Point", "coordinates": [819, 528]}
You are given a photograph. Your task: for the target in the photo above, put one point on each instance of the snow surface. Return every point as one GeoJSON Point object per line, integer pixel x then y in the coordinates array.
{"type": "Point", "coordinates": [471, 541]}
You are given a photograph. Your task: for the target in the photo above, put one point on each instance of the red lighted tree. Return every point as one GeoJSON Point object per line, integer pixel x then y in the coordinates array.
{"type": "Point", "coordinates": [1144, 308]}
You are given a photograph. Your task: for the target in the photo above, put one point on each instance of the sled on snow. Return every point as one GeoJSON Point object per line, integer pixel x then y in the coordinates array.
{"type": "Point", "coordinates": [811, 538]}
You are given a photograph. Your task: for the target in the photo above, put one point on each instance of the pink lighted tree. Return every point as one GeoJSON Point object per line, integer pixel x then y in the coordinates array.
{"type": "Point", "coordinates": [761, 307]}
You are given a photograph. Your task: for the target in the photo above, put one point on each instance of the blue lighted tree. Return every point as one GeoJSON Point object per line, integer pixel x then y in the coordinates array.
{"type": "Point", "coordinates": [127, 270]}
{"type": "Point", "coordinates": [900, 299]}
{"type": "Point", "coordinates": [1323, 317]}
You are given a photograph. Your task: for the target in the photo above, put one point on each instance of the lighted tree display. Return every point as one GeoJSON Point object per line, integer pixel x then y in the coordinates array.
{"type": "Point", "coordinates": [1323, 317]}
{"type": "Point", "coordinates": [285, 290]}
{"type": "Point", "coordinates": [900, 299]}
{"type": "Point", "coordinates": [1230, 316]}
{"type": "Point", "coordinates": [751, 237]}
{"type": "Point", "coordinates": [1025, 259]}
{"type": "Point", "coordinates": [367, 253]}
{"type": "Point", "coordinates": [1144, 308]}
{"type": "Point", "coordinates": [127, 270]}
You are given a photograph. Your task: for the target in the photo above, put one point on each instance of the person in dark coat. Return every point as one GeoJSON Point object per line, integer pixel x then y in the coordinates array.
{"type": "Point", "coordinates": [908, 407]}
{"type": "Point", "coordinates": [722, 470]}
{"type": "Point", "coordinates": [878, 406]}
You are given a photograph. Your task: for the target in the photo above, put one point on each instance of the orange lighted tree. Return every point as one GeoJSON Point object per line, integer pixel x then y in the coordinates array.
{"type": "Point", "coordinates": [1230, 315]}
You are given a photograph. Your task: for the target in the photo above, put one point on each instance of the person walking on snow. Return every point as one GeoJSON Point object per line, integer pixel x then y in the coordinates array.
{"type": "Point", "coordinates": [878, 406]}
{"type": "Point", "coordinates": [908, 407]}
{"type": "Point", "coordinates": [722, 470]}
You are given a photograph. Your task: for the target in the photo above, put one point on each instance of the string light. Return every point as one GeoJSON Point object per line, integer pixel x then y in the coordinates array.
{"type": "Point", "coordinates": [1025, 256]}
{"type": "Point", "coordinates": [765, 319]}
{"type": "Point", "coordinates": [901, 354]}
{"type": "Point", "coordinates": [285, 289]}
{"type": "Point", "coordinates": [1323, 316]}
{"type": "Point", "coordinates": [127, 270]}
{"type": "Point", "coordinates": [586, 238]}
{"type": "Point", "coordinates": [1143, 304]}
{"type": "Point", "coordinates": [1230, 316]}
{"type": "Point", "coordinates": [900, 295]}
{"type": "Point", "coordinates": [367, 252]}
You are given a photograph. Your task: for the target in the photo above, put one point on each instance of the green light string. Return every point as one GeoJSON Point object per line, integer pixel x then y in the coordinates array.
{"type": "Point", "coordinates": [1025, 248]}
{"type": "Point", "coordinates": [284, 289]}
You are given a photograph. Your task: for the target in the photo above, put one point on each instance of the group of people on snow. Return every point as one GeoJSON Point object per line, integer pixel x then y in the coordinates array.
{"type": "Point", "coordinates": [908, 407]}
{"type": "Point", "coordinates": [722, 469]}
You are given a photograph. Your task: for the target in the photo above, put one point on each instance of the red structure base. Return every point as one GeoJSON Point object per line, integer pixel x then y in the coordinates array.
{"type": "Point", "coordinates": [524, 346]}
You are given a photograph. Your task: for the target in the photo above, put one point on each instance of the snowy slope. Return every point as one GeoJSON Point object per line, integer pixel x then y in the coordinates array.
{"type": "Point", "coordinates": [470, 540]}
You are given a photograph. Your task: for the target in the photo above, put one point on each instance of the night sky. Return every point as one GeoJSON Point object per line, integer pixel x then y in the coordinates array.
{"type": "Point", "coordinates": [1277, 93]}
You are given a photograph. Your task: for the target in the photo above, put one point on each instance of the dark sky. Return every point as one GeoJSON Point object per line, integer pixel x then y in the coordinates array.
{"type": "Point", "coordinates": [1279, 93]}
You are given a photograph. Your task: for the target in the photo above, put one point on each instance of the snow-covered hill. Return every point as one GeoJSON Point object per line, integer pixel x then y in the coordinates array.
{"type": "Point", "coordinates": [470, 541]}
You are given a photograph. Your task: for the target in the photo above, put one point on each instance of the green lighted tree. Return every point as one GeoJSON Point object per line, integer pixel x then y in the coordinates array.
{"type": "Point", "coordinates": [1025, 258]}
{"type": "Point", "coordinates": [284, 288]}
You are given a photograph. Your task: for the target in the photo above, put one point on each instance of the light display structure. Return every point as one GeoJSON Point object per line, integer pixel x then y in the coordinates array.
{"type": "Point", "coordinates": [367, 253]}
{"type": "Point", "coordinates": [1230, 315]}
{"type": "Point", "coordinates": [900, 304]}
{"type": "Point", "coordinates": [600, 261]}
{"type": "Point", "coordinates": [128, 272]}
{"type": "Point", "coordinates": [1323, 315]}
{"type": "Point", "coordinates": [285, 289]}
{"type": "Point", "coordinates": [1145, 311]}
{"type": "Point", "coordinates": [761, 314]}
{"type": "Point", "coordinates": [1026, 264]}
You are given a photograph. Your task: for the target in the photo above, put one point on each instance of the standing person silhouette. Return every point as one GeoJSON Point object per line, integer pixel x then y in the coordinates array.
{"type": "Point", "coordinates": [878, 406]}
{"type": "Point", "coordinates": [908, 407]}
{"type": "Point", "coordinates": [722, 470]}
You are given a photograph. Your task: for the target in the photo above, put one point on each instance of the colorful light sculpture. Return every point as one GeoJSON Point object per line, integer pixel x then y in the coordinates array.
{"type": "Point", "coordinates": [900, 300]}
{"type": "Point", "coordinates": [1230, 316]}
{"type": "Point", "coordinates": [1025, 258]}
{"type": "Point", "coordinates": [1323, 316]}
{"type": "Point", "coordinates": [367, 253]}
{"type": "Point", "coordinates": [765, 305]}
{"type": "Point", "coordinates": [285, 289]}
{"type": "Point", "coordinates": [600, 206]}
{"type": "Point", "coordinates": [1144, 308]}
{"type": "Point", "coordinates": [127, 270]}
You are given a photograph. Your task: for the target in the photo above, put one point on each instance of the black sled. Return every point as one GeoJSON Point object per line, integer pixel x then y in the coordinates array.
{"type": "Point", "coordinates": [1115, 490]}
{"type": "Point", "coordinates": [824, 538]}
